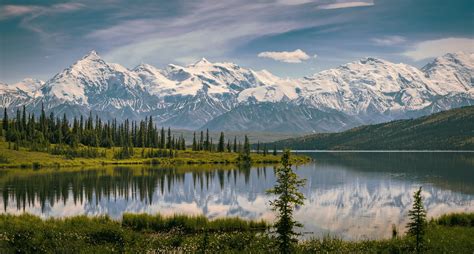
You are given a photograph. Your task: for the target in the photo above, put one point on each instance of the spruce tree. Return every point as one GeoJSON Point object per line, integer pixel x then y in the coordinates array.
{"type": "Point", "coordinates": [201, 145]}
{"type": "Point", "coordinates": [417, 225]}
{"type": "Point", "coordinates": [235, 144]}
{"type": "Point", "coordinates": [5, 119]}
{"type": "Point", "coordinates": [244, 155]}
{"type": "Point", "coordinates": [162, 136]}
{"type": "Point", "coordinates": [229, 148]}
{"type": "Point", "coordinates": [207, 143]}
{"type": "Point", "coordinates": [221, 145]}
{"type": "Point", "coordinates": [168, 141]}
{"type": "Point", "coordinates": [194, 142]}
{"type": "Point", "coordinates": [288, 198]}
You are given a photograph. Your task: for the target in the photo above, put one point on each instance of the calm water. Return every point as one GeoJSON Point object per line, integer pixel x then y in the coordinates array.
{"type": "Point", "coordinates": [352, 195]}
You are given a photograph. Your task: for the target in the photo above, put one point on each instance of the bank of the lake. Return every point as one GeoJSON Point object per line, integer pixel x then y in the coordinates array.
{"type": "Point", "coordinates": [24, 158]}
{"type": "Point", "coordinates": [144, 233]}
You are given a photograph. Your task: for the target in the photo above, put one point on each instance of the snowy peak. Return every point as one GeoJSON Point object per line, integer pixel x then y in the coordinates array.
{"type": "Point", "coordinates": [154, 81]}
{"type": "Point", "coordinates": [89, 77]}
{"type": "Point", "coordinates": [30, 86]}
{"type": "Point", "coordinates": [215, 79]}
{"type": "Point", "coordinates": [453, 72]}
{"type": "Point", "coordinates": [369, 85]}
{"type": "Point", "coordinates": [92, 55]}
{"type": "Point", "coordinates": [201, 62]}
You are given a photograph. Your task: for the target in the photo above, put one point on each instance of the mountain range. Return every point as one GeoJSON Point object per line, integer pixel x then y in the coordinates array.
{"type": "Point", "coordinates": [225, 96]}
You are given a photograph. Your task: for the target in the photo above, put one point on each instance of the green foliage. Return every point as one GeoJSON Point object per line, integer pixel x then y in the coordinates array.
{"type": "Point", "coordinates": [456, 219]}
{"type": "Point", "coordinates": [189, 224]}
{"type": "Point", "coordinates": [31, 234]}
{"type": "Point", "coordinates": [288, 198]}
{"type": "Point", "coordinates": [71, 153]}
{"type": "Point", "coordinates": [417, 225]}
{"type": "Point", "coordinates": [244, 154]}
{"type": "Point", "coordinates": [448, 130]}
{"type": "Point", "coordinates": [3, 159]}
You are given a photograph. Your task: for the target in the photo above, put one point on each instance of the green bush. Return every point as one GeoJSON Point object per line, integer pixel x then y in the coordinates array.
{"type": "Point", "coordinates": [456, 219]}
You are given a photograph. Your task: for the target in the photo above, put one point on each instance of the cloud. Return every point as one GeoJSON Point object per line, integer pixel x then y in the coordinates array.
{"type": "Point", "coordinates": [389, 40]}
{"type": "Point", "coordinates": [29, 14]}
{"type": "Point", "coordinates": [344, 5]}
{"type": "Point", "coordinates": [10, 11]}
{"type": "Point", "coordinates": [435, 48]}
{"type": "Point", "coordinates": [296, 56]}
{"type": "Point", "coordinates": [210, 30]}
{"type": "Point", "coordinates": [293, 2]}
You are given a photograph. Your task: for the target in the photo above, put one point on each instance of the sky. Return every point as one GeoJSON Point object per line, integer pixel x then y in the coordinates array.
{"type": "Point", "coordinates": [290, 38]}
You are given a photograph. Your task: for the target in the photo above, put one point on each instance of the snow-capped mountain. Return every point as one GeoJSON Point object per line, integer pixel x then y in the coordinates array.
{"type": "Point", "coordinates": [452, 73]}
{"type": "Point", "coordinates": [225, 96]}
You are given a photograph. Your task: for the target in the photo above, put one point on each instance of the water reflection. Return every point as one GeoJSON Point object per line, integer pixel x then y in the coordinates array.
{"type": "Point", "coordinates": [351, 195]}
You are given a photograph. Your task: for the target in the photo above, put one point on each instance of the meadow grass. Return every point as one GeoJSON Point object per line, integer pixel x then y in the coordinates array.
{"type": "Point", "coordinates": [23, 158]}
{"type": "Point", "coordinates": [190, 234]}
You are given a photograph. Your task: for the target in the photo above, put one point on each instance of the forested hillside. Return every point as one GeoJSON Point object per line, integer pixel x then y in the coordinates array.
{"type": "Point", "coordinates": [448, 130]}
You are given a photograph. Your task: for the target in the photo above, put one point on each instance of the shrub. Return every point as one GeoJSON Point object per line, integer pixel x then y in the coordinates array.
{"type": "Point", "coordinates": [456, 219]}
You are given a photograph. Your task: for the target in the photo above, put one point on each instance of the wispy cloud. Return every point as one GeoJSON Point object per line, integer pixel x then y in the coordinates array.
{"type": "Point", "coordinates": [210, 30]}
{"type": "Point", "coordinates": [435, 48]}
{"type": "Point", "coordinates": [294, 2]}
{"type": "Point", "coordinates": [29, 14]}
{"type": "Point", "coordinates": [10, 11]}
{"type": "Point", "coordinates": [296, 56]}
{"type": "Point", "coordinates": [344, 5]}
{"type": "Point", "coordinates": [389, 40]}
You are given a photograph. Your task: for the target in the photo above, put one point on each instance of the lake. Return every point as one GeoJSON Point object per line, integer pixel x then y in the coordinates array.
{"type": "Point", "coordinates": [350, 195]}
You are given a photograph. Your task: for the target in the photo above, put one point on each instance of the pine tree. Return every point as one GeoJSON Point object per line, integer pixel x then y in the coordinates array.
{"type": "Point", "coordinates": [201, 142]}
{"type": "Point", "coordinates": [23, 119]}
{"type": "Point", "coordinates": [274, 150]}
{"type": "Point", "coordinates": [244, 155]}
{"type": "Point", "coordinates": [207, 143]}
{"type": "Point", "coordinates": [288, 198]}
{"type": "Point", "coordinates": [5, 119]}
{"type": "Point", "coordinates": [221, 145]}
{"type": "Point", "coordinates": [162, 138]}
{"type": "Point", "coordinates": [168, 141]}
{"type": "Point", "coordinates": [235, 144]}
{"type": "Point", "coordinates": [417, 225]}
{"type": "Point", "coordinates": [229, 147]}
{"type": "Point", "coordinates": [194, 142]}
{"type": "Point", "coordinates": [246, 146]}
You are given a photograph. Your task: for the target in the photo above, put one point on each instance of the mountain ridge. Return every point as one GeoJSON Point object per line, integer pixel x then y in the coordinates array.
{"type": "Point", "coordinates": [369, 90]}
{"type": "Point", "coordinates": [448, 130]}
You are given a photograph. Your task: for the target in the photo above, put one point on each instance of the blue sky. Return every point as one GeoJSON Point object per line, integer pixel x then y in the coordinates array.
{"type": "Point", "coordinates": [287, 37]}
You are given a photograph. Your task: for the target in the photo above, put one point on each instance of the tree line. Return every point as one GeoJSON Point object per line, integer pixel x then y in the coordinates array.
{"type": "Point", "coordinates": [37, 133]}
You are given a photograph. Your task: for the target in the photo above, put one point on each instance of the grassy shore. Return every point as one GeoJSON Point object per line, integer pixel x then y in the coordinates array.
{"type": "Point", "coordinates": [24, 158]}
{"type": "Point", "coordinates": [190, 234]}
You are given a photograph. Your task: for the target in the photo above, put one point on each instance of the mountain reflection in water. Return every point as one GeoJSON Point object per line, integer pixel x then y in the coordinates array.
{"type": "Point", "coordinates": [353, 195]}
